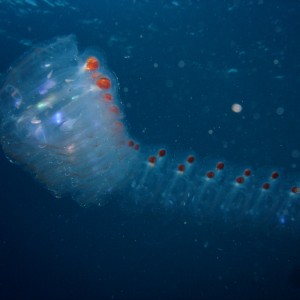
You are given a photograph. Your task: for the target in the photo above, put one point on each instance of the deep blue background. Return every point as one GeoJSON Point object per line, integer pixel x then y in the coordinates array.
{"type": "Point", "coordinates": [55, 249]}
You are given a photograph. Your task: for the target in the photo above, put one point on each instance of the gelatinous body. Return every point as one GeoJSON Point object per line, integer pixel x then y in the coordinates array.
{"type": "Point", "coordinates": [61, 120]}
{"type": "Point", "coordinates": [56, 123]}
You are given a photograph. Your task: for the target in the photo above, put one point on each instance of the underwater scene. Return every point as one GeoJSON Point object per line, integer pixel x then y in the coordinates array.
{"type": "Point", "coordinates": [150, 149]}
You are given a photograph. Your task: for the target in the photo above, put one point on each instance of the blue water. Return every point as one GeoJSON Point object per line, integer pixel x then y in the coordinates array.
{"type": "Point", "coordinates": [180, 65]}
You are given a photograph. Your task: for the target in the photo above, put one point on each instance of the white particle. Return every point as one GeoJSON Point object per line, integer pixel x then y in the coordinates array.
{"type": "Point", "coordinates": [237, 108]}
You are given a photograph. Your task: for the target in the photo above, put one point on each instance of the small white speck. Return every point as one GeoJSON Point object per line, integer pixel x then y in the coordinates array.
{"type": "Point", "coordinates": [237, 108]}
